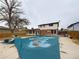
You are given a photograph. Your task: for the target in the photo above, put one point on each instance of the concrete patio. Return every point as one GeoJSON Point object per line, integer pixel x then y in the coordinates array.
{"type": "Point", "coordinates": [69, 50]}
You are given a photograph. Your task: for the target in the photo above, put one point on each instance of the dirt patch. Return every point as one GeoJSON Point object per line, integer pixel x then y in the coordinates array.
{"type": "Point", "coordinates": [76, 41]}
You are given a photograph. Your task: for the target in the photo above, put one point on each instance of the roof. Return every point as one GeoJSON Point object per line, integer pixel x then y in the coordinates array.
{"type": "Point", "coordinates": [72, 24]}
{"type": "Point", "coordinates": [49, 23]}
{"type": "Point", "coordinates": [3, 28]}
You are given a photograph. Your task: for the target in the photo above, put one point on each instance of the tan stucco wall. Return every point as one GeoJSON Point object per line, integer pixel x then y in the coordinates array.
{"type": "Point", "coordinates": [55, 26]}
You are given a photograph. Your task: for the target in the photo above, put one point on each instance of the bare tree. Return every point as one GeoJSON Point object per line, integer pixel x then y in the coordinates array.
{"type": "Point", "coordinates": [10, 12]}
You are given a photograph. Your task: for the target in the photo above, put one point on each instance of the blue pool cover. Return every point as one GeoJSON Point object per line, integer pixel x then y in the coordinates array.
{"type": "Point", "coordinates": [25, 52]}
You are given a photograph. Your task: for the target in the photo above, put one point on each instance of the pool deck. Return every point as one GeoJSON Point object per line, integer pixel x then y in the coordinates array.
{"type": "Point", "coordinates": [68, 50]}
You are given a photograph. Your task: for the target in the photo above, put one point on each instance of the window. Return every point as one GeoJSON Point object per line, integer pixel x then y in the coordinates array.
{"type": "Point", "coordinates": [40, 26]}
{"type": "Point", "coordinates": [50, 24]}
{"type": "Point", "coordinates": [43, 25]}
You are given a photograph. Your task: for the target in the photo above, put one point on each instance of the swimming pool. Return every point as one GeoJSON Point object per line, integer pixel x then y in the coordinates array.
{"type": "Point", "coordinates": [48, 47]}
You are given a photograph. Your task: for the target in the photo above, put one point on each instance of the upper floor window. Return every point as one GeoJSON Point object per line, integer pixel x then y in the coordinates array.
{"type": "Point", "coordinates": [50, 24]}
{"type": "Point", "coordinates": [42, 26]}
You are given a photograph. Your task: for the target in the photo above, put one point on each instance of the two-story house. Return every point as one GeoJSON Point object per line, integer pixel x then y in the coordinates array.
{"type": "Point", "coordinates": [49, 28]}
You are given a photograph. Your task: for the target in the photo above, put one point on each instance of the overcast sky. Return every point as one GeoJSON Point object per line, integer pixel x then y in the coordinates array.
{"type": "Point", "coordinates": [47, 11]}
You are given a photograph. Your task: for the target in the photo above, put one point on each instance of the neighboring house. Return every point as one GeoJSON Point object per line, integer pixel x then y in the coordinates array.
{"type": "Point", "coordinates": [73, 30]}
{"type": "Point", "coordinates": [49, 28]}
{"type": "Point", "coordinates": [4, 29]}
{"type": "Point", "coordinates": [74, 27]}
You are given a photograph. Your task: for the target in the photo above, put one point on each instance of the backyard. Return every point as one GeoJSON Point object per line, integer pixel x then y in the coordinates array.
{"type": "Point", "coordinates": [39, 29]}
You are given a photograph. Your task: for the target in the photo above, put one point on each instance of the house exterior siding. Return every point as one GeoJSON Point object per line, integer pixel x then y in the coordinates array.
{"type": "Point", "coordinates": [54, 26]}
{"type": "Point", "coordinates": [70, 28]}
{"type": "Point", "coordinates": [76, 27]}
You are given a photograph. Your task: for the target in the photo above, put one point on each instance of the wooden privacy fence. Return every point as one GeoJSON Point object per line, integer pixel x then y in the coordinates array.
{"type": "Point", "coordinates": [7, 35]}
{"type": "Point", "coordinates": [73, 34]}
{"type": "Point", "coordinates": [21, 34]}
